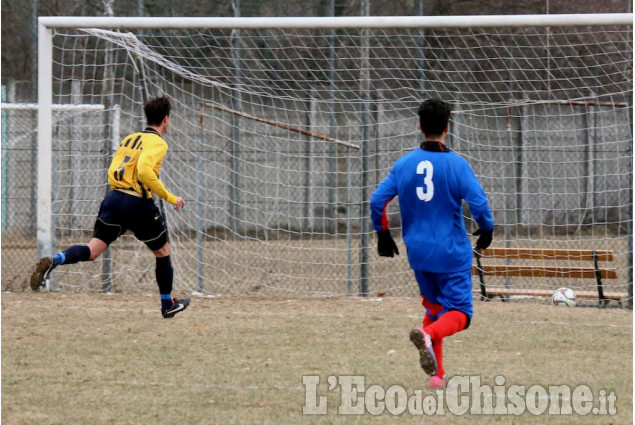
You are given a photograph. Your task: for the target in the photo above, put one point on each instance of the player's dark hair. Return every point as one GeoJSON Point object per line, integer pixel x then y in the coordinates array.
{"type": "Point", "coordinates": [434, 115]}
{"type": "Point", "coordinates": [156, 109]}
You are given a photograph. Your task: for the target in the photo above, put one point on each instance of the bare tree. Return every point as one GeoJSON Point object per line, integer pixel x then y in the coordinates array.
{"type": "Point", "coordinates": [19, 32]}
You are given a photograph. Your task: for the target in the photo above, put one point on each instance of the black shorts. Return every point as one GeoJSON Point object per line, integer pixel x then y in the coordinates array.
{"type": "Point", "coordinates": [120, 212]}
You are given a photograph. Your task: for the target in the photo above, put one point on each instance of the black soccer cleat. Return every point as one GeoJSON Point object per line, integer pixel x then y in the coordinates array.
{"type": "Point", "coordinates": [42, 270]}
{"type": "Point", "coordinates": [178, 305]}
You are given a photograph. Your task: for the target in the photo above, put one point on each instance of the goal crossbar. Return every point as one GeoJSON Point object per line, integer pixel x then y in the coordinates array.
{"type": "Point", "coordinates": [55, 107]}
{"type": "Point", "coordinates": [339, 21]}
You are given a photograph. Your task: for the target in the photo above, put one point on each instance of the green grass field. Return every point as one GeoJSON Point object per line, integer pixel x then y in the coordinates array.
{"type": "Point", "coordinates": [112, 359]}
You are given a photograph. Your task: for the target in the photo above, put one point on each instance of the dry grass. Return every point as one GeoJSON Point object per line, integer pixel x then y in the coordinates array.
{"type": "Point", "coordinates": [293, 267]}
{"type": "Point", "coordinates": [101, 359]}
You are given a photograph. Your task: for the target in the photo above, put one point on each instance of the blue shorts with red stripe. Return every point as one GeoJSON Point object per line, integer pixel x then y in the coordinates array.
{"type": "Point", "coordinates": [453, 291]}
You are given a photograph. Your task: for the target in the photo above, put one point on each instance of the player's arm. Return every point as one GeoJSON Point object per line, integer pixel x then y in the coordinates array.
{"type": "Point", "coordinates": [476, 198]}
{"type": "Point", "coordinates": [385, 192]}
{"type": "Point", "coordinates": [150, 157]}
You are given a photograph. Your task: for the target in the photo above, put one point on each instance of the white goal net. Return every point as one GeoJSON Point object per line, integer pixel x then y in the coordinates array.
{"type": "Point", "coordinates": [282, 128]}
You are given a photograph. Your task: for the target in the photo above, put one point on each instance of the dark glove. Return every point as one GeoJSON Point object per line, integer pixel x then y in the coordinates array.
{"type": "Point", "coordinates": [386, 246]}
{"type": "Point", "coordinates": [484, 238]}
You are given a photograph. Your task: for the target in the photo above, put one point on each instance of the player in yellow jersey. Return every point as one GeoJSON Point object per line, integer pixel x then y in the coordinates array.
{"type": "Point", "coordinates": [134, 176]}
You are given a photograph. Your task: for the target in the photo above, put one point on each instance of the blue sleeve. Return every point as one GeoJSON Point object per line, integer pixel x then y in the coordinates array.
{"type": "Point", "coordinates": [385, 192]}
{"type": "Point", "coordinates": [474, 195]}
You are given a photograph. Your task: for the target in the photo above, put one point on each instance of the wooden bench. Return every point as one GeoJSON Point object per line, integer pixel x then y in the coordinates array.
{"type": "Point", "coordinates": [593, 271]}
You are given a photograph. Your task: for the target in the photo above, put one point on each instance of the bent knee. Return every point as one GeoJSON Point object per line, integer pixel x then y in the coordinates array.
{"type": "Point", "coordinates": [97, 247]}
{"type": "Point", "coordinates": [164, 251]}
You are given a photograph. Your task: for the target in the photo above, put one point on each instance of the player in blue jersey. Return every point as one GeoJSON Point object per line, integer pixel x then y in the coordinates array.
{"type": "Point", "coordinates": [432, 182]}
{"type": "Point", "coordinates": [134, 176]}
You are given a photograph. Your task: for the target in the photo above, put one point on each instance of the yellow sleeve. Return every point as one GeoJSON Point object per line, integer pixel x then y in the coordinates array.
{"type": "Point", "coordinates": [148, 166]}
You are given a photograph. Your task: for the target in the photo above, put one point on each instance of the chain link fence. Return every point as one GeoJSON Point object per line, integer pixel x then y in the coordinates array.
{"type": "Point", "coordinates": [19, 195]}
{"type": "Point", "coordinates": [551, 183]}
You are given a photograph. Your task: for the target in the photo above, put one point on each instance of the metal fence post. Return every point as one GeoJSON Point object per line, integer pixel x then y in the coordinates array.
{"type": "Point", "coordinates": [5, 162]}
{"type": "Point", "coordinates": [366, 121]}
{"type": "Point", "coordinates": [629, 219]}
{"type": "Point", "coordinates": [200, 193]}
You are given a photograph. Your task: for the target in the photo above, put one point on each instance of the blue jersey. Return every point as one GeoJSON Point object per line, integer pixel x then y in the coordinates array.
{"type": "Point", "coordinates": [431, 185]}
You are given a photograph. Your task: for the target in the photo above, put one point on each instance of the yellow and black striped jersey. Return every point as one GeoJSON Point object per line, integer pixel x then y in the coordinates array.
{"type": "Point", "coordinates": [136, 164]}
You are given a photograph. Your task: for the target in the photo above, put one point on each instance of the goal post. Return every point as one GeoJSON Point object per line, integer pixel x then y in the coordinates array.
{"type": "Point", "coordinates": [44, 141]}
{"type": "Point", "coordinates": [282, 127]}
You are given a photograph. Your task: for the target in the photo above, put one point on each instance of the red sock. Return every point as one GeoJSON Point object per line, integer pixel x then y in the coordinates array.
{"type": "Point", "coordinates": [448, 324]}
{"type": "Point", "coordinates": [437, 347]}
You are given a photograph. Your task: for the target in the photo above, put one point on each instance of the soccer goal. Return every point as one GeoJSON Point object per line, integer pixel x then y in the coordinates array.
{"type": "Point", "coordinates": [282, 128]}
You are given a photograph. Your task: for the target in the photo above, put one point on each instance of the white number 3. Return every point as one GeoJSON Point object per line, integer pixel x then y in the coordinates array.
{"type": "Point", "coordinates": [426, 192]}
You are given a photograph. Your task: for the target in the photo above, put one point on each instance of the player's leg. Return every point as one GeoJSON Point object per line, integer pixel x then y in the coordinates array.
{"type": "Point", "coordinates": [448, 324]}
{"type": "Point", "coordinates": [149, 227]}
{"type": "Point", "coordinates": [78, 253]}
{"type": "Point", "coordinates": [438, 381]}
{"type": "Point", "coordinates": [419, 337]}
{"type": "Point", "coordinates": [455, 295]}
{"type": "Point", "coordinates": [165, 275]}
{"type": "Point", "coordinates": [450, 314]}
{"type": "Point", "coordinates": [71, 255]}
{"type": "Point", "coordinates": [107, 228]}
{"type": "Point", "coordinates": [432, 313]}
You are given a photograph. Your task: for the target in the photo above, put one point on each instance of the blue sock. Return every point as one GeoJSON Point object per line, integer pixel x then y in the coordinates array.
{"type": "Point", "coordinates": [166, 301]}
{"type": "Point", "coordinates": [59, 258]}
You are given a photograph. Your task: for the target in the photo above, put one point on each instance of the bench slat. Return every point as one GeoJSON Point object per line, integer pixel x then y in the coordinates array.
{"type": "Point", "coordinates": [544, 271]}
{"type": "Point", "coordinates": [547, 254]}
{"type": "Point", "coordinates": [548, 293]}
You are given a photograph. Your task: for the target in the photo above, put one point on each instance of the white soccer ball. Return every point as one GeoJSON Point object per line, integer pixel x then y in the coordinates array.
{"type": "Point", "coordinates": [564, 296]}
